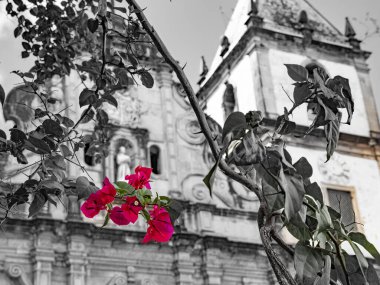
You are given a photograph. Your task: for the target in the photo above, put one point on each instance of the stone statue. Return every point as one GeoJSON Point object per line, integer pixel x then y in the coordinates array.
{"type": "Point", "coordinates": [123, 161]}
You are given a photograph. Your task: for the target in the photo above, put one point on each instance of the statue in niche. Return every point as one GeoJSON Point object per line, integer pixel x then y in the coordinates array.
{"type": "Point", "coordinates": [123, 163]}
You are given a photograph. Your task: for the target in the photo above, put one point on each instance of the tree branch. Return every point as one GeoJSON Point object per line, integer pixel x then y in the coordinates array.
{"type": "Point", "coordinates": [191, 96]}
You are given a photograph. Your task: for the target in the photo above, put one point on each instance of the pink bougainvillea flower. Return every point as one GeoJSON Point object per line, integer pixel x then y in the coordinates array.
{"type": "Point", "coordinates": [131, 208]}
{"type": "Point", "coordinates": [141, 177]}
{"type": "Point", "coordinates": [160, 227]}
{"type": "Point", "coordinates": [119, 216]}
{"type": "Point", "coordinates": [107, 193]}
{"type": "Point", "coordinates": [92, 206]}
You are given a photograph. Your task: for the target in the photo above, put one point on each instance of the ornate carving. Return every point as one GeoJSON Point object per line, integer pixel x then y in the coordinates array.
{"type": "Point", "coordinates": [180, 96]}
{"type": "Point", "coordinates": [188, 129]}
{"type": "Point", "coordinates": [16, 272]}
{"type": "Point", "coordinates": [336, 170]}
{"type": "Point", "coordinates": [128, 112]}
{"type": "Point", "coordinates": [195, 190]}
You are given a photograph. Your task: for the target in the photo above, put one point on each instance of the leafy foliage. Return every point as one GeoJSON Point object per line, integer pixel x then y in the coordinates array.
{"type": "Point", "coordinates": [56, 34]}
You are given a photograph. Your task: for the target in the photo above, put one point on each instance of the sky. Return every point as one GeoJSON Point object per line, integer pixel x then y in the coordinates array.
{"type": "Point", "coordinates": [192, 28]}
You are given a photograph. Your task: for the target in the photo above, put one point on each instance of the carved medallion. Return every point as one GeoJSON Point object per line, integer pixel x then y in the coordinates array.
{"type": "Point", "coordinates": [335, 171]}
{"type": "Point", "coordinates": [188, 129]}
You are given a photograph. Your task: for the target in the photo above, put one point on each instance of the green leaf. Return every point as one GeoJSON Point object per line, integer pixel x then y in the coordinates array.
{"type": "Point", "coordinates": [88, 117]}
{"type": "Point", "coordinates": [284, 126]}
{"type": "Point", "coordinates": [361, 239]}
{"type": "Point", "coordinates": [66, 152]}
{"type": "Point", "coordinates": [210, 177]}
{"type": "Point", "coordinates": [67, 122]}
{"type": "Point", "coordinates": [92, 25]}
{"type": "Point", "coordinates": [175, 208]}
{"type": "Point", "coordinates": [363, 263]}
{"type": "Point", "coordinates": [323, 218]}
{"type": "Point", "coordinates": [111, 100]}
{"type": "Point", "coordinates": [17, 32]}
{"type": "Point", "coordinates": [146, 79]}
{"type": "Point", "coordinates": [37, 146]}
{"type": "Point", "coordinates": [51, 184]}
{"type": "Point", "coordinates": [297, 72]}
{"type": "Point", "coordinates": [298, 228]}
{"type": "Point", "coordinates": [84, 187]}
{"type": "Point", "coordinates": [249, 151]}
{"type": "Point", "coordinates": [2, 95]}
{"type": "Point", "coordinates": [235, 121]}
{"type": "Point", "coordinates": [102, 117]}
{"type": "Point", "coordinates": [326, 272]}
{"type": "Point", "coordinates": [106, 220]}
{"type": "Point", "coordinates": [87, 97]}
{"type": "Point", "coordinates": [314, 191]}
{"type": "Point", "coordinates": [332, 135]}
{"type": "Point", "coordinates": [303, 168]}
{"type": "Point", "coordinates": [123, 188]}
{"type": "Point", "coordinates": [307, 260]}
{"type": "Point", "coordinates": [53, 128]}
{"type": "Point", "coordinates": [17, 136]}
{"type": "Point", "coordinates": [301, 93]}
{"type": "Point", "coordinates": [38, 202]}
{"type": "Point", "coordinates": [294, 193]}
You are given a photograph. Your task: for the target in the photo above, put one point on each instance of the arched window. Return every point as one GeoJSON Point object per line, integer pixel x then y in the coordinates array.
{"type": "Point", "coordinates": [155, 163]}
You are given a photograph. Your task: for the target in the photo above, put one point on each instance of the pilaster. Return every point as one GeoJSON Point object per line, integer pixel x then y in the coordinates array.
{"type": "Point", "coordinates": [76, 260]}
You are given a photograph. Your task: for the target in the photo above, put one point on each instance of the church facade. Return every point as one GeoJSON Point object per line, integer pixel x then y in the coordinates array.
{"type": "Point", "coordinates": [216, 239]}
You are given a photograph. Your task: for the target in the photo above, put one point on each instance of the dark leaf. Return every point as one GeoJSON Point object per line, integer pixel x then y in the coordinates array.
{"type": "Point", "coordinates": [297, 72]}
{"type": "Point", "coordinates": [2, 95]}
{"type": "Point", "coordinates": [21, 158]}
{"type": "Point", "coordinates": [110, 99]}
{"type": "Point", "coordinates": [102, 117]}
{"type": "Point", "coordinates": [249, 151]}
{"type": "Point", "coordinates": [88, 116]}
{"type": "Point", "coordinates": [17, 32]}
{"type": "Point", "coordinates": [146, 79]}
{"type": "Point", "coordinates": [308, 261]}
{"type": "Point", "coordinates": [235, 121]}
{"type": "Point", "coordinates": [37, 146]}
{"type": "Point", "coordinates": [87, 97]}
{"type": "Point", "coordinates": [210, 177]}
{"type": "Point", "coordinates": [38, 202]}
{"type": "Point", "coordinates": [25, 54]}
{"type": "Point", "coordinates": [301, 93]}
{"type": "Point", "coordinates": [304, 168]}
{"type": "Point", "coordinates": [51, 184]}
{"type": "Point", "coordinates": [92, 25]}
{"type": "Point", "coordinates": [174, 208]}
{"type": "Point", "coordinates": [84, 187]}
{"type": "Point", "coordinates": [314, 191]}
{"type": "Point", "coordinates": [284, 126]}
{"type": "Point", "coordinates": [20, 196]}
{"type": "Point", "coordinates": [323, 218]}
{"type": "Point", "coordinates": [361, 239]}
{"type": "Point", "coordinates": [53, 128]}
{"type": "Point", "coordinates": [17, 136]}
{"type": "Point", "coordinates": [121, 9]}
{"type": "Point", "coordinates": [332, 135]}
{"type": "Point", "coordinates": [132, 60]}
{"type": "Point", "coordinates": [66, 152]}
{"type": "Point", "coordinates": [326, 273]}
{"type": "Point", "coordinates": [294, 193]}
{"type": "Point", "coordinates": [67, 122]}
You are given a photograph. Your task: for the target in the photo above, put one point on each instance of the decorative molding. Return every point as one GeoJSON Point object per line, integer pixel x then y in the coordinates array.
{"type": "Point", "coordinates": [335, 171]}
{"type": "Point", "coordinates": [188, 129]}
{"type": "Point", "coordinates": [17, 274]}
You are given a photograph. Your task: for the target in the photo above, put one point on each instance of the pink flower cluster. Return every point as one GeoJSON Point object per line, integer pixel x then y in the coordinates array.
{"type": "Point", "coordinates": [160, 227]}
